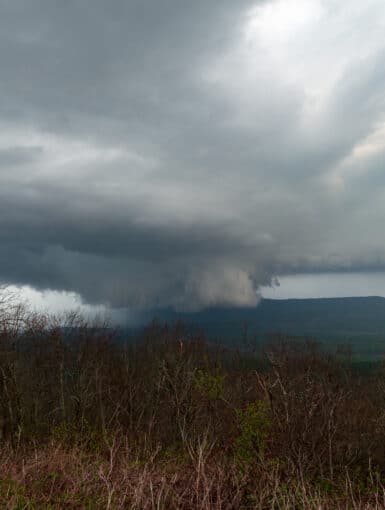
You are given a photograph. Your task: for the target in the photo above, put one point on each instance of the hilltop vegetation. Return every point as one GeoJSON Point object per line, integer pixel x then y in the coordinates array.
{"type": "Point", "coordinates": [170, 421]}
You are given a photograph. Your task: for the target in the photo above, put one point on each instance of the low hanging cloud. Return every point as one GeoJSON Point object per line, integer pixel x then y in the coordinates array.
{"type": "Point", "coordinates": [184, 154]}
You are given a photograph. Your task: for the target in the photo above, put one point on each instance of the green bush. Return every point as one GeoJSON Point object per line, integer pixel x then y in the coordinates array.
{"type": "Point", "coordinates": [253, 422]}
{"type": "Point", "coordinates": [210, 386]}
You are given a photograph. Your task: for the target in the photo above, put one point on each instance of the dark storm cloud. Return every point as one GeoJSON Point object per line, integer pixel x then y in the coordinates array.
{"type": "Point", "coordinates": [184, 153]}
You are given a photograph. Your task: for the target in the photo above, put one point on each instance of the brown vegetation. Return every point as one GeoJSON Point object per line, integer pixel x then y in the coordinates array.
{"type": "Point", "coordinates": [88, 420]}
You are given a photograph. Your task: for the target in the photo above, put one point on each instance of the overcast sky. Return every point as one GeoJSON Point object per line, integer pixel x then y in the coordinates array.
{"type": "Point", "coordinates": [186, 153]}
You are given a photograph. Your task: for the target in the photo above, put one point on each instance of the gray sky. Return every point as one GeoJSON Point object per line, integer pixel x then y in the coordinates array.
{"type": "Point", "coordinates": [174, 153]}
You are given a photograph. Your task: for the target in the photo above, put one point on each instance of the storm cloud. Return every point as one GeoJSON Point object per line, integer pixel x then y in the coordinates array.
{"type": "Point", "coordinates": [185, 153]}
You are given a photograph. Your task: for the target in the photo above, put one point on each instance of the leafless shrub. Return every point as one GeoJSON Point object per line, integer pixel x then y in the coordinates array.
{"type": "Point", "coordinates": [90, 418]}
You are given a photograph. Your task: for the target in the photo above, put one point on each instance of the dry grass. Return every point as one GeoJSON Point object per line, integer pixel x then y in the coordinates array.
{"type": "Point", "coordinates": [56, 477]}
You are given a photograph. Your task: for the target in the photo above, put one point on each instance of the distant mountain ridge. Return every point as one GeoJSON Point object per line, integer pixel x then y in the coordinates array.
{"type": "Point", "coordinates": [296, 316]}
{"type": "Point", "coordinates": [356, 320]}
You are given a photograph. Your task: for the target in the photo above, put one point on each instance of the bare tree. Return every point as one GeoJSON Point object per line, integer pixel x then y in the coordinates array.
{"type": "Point", "coordinates": [13, 311]}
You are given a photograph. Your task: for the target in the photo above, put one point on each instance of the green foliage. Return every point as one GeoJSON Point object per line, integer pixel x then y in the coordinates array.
{"type": "Point", "coordinates": [11, 491]}
{"type": "Point", "coordinates": [253, 422]}
{"type": "Point", "coordinates": [324, 485]}
{"type": "Point", "coordinates": [63, 432]}
{"type": "Point", "coordinates": [210, 386]}
{"type": "Point", "coordinates": [364, 481]}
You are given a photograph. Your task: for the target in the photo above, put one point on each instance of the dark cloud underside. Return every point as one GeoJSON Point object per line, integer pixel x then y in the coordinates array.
{"type": "Point", "coordinates": [184, 153]}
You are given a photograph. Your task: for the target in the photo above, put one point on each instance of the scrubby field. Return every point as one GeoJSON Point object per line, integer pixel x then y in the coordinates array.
{"type": "Point", "coordinates": [167, 421]}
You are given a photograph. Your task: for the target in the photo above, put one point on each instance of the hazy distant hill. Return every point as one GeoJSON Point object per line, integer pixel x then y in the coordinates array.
{"type": "Point", "coordinates": [357, 320]}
